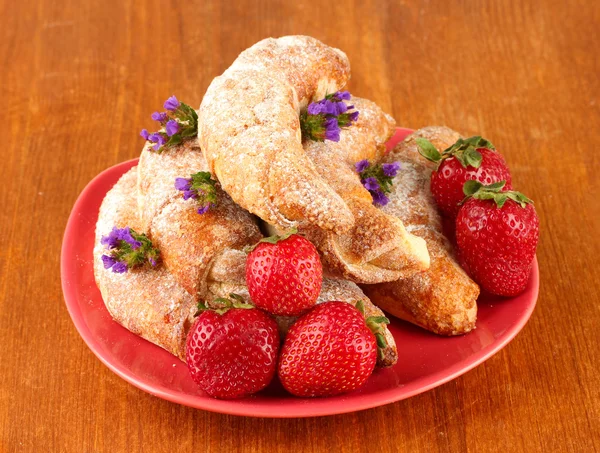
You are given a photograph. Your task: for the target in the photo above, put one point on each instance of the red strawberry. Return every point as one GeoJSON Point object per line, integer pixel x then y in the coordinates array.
{"type": "Point", "coordinates": [330, 350]}
{"type": "Point", "coordinates": [473, 158]}
{"type": "Point", "coordinates": [232, 352]}
{"type": "Point", "coordinates": [284, 275]}
{"type": "Point", "coordinates": [497, 234]}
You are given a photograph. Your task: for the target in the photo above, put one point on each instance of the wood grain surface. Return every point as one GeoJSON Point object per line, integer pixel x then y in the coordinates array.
{"type": "Point", "coordinates": [78, 80]}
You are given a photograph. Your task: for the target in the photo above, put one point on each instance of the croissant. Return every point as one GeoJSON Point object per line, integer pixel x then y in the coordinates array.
{"type": "Point", "coordinates": [152, 304]}
{"type": "Point", "coordinates": [188, 241]}
{"type": "Point", "coordinates": [377, 248]}
{"type": "Point", "coordinates": [149, 303]}
{"type": "Point", "coordinates": [249, 131]}
{"type": "Point", "coordinates": [443, 298]}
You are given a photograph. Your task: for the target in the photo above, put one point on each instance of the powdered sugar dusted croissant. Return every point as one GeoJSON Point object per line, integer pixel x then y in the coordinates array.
{"type": "Point", "coordinates": [443, 298]}
{"type": "Point", "coordinates": [151, 303]}
{"type": "Point", "coordinates": [148, 302]}
{"type": "Point", "coordinates": [377, 248]}
{"type": "Point", "coordinates": [189, 242]}
{"type": "Point", "coordinates": [249, 131]}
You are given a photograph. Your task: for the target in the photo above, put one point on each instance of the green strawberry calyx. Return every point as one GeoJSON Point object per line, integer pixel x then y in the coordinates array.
{"type": "Point", "coordinates": [376, 324]}
{"type": "Point", "coordinates": [464, 150]}
{"type": "Point", "coordinates": [479, 191]}
{"type": "Point", "coordinates": [272, 239]}
{"type": "Point", "coordinates": [279, 237]}
{"type": "Point", "coordinates": [222, 305]}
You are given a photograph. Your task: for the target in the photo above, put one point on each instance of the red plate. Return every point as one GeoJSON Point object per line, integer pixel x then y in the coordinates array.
{"type": "Point", "coordinates": [425, 360]}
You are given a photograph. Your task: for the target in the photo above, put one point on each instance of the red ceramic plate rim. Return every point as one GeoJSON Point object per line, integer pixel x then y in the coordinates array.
{"type": "Point", "coordinates": [303, 408]}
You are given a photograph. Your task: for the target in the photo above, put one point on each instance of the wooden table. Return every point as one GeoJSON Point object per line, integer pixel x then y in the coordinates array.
{"type": "Point", "coordinates": [79, 80]}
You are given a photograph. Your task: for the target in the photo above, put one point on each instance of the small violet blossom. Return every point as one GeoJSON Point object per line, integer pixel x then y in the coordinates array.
{"type": "Point", "coordinates": [200, 187]}
{"type": "Point", "coordinates": [172, 104]}
{"type": "Point", "coordinates": [391, 170]}
{"type": "Point", "coordinates": [379, 198]}
{"type": "Point", "coordinates": [161, 117]}
{"type": "Point", "coordinates": [377, 179]}
{"type": "Point", "coordinates": [332, 130]}
{"type": "Point", "coordinates": [324, 119]}
{"type": "Point", "coordinates": [120, 267]}
{"type": "Point", "coordinates": [158, 139]}
{"type": "Point", "coordinates": [178, 123]}
{"type": "Point", "coordinates": [119, 234]}
{"type": "Point", "coordinates": [172, 127]}
{"type": "Point", "coordinates": [361, 165]}
{"type": "Point", "coordinates": [204, 209]}
{"type": "Point", "coordinates": [127, 249]}
{"type": "Point", "coordinates": [371, 184]}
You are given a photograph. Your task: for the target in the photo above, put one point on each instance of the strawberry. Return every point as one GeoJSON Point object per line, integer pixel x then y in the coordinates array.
{"type": "Point", "coordinates": [232, 352]}
{"type": "Point", "coordinates": [284, 275]}
{"type": "Point", "coordinates": [473, 158]}
{"type": "Point", "coordinates": [330, 350]}
{"type": "Point", "coordinates": [497, 233]}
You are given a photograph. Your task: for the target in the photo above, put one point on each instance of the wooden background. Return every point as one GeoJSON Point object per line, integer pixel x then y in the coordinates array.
{"type": "Point", "coordinates": [79, 80]}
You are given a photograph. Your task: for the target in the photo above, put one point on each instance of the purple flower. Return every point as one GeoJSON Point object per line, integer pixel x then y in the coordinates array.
{"type": "Point", "coordinates": [343, 95]}
{"type": "Point", "coordinates": [314, 108]}
{"type": "Point", "coordinates": [187, 194]}
{"type": "Point", "coordinates": [119, 234]}
{"type": "Point", "coordinates": [171, 104]}
{"type": "Point", "coordinates": [112, 240]}
{"type": "Point", "coordinates": [379, 198]}
{"type": "Point", "coordinates": [145, 134]}
{"type": "Point", "coordinates": [203, 209]}
{"type": "Point", "coordinates": [119, 267]}
{"type": "Point", "coordinates": [362, 165]}
{"type": "Point", "coordinates": [331, 108]}
{"type": "Point", "coordinates": [391, 170]}
{"type": "Point", "coordinates": [327, 107]}
{"type": "Point", "coordinates": [332, 130]}
{"type": "Point", "coordinates": [340, 107]}
{"type": "Point", "coordinates": [161, 117]}
{"type": "Point", "coordinates": [152, 261]}
{"type": "Point", "coordinates": [108, 261]}
{"type": "Point", "coordinates": [332, 114]}
{"type": "Point", "coordinates": [183, 183]}
{"type": "Point", "coordinates": [172, 127]}
{"type": "Point", "coordinates": [127, 237]}
{"type": "Point", "coordinates": [371, 184]}
{"type": "Point", "coordinates": [157, 138]}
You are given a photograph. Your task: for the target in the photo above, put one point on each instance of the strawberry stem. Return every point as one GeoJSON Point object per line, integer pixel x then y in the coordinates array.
{"type": "Point", "coordinates": [272, 239]}
{"type": "Point", "coordinates": [464, 150]}
{"type": "Point", "coordinates": [479, 191]}
{"type": "Point", "coordinates": [222, 304]}
{"type": "Point", "coordinates": [278, 238]}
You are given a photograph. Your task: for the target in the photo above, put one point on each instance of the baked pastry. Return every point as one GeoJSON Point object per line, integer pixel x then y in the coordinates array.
{"type": "Point", "coordinates": [249, 131]}
{"type": "Point", "coordinates": [189, 242]}
{"type": "Point", "coordinates": [443, 298]}
{"type": "Point", "coordinates": [152, 304]}
{"type": "Point", "coordinates": [149, 303]}
{"type": "Point", "coordinates": [377, 248]}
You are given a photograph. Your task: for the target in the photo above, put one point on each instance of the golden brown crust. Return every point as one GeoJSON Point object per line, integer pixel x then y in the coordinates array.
{"type": "Point", "coordinates": [249, 131]}
{"type": "Point", "coordinates": [377, 248]}
{"type": "Point", "coordinates": [443, 298]}
{"type": "Point", "coordinates": [188, 241]}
